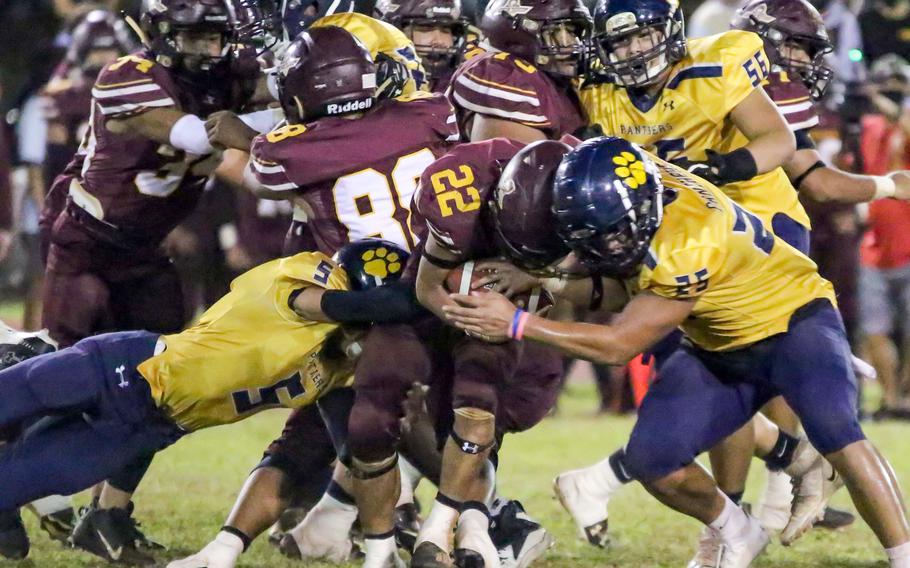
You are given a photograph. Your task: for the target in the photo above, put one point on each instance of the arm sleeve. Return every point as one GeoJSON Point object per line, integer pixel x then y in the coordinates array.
{"type": "Point", "coordinates": [502, 87]}
{"type": "Point", "coordinates": [393, 303]}
{"type": "Point", "coordinates": [268, 167]}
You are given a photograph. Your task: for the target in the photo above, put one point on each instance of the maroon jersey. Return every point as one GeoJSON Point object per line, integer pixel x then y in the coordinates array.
{"type": "Point", "coordinates": [355, 177]}
{"type": "Point", "coordinates": [67, 106]}
{"type": "Point", "coordinates": [453, 193]}
{"type": "Point", "coordinates": [261, 226]}
{"type": "Point", "coordinates": [501, 86]}
{"type": "Point", "coordinates": [139, 186]}
{"type": "Point", "coordinates": [793, 100]}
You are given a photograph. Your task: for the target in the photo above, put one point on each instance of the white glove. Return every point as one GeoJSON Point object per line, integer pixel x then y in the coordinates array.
{"type": "Point", "coordinates": [220, 553]}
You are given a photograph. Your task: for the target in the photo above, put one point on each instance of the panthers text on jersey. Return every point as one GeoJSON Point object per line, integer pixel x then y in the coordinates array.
{"type": "Point", "coordinates": [250, 351]}
{"type": "Point", "coordinates": [746, 281]}
{"type": "Point", "coordinates": [355, 177]}
{"type": "Point", "coordinates": [505, 87]}
{"type": "Point", "coordinates": [690, 115]}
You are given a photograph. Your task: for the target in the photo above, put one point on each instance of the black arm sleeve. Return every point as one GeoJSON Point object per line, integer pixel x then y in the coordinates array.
{"type": "Point", "coordinates": [804, 140]}
{"type": "Point", "coordinates": [392, 303]}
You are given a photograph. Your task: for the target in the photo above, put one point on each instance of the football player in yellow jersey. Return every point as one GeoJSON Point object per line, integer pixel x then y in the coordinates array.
{"type": "Point", "coordinates": [698, 101]}
{"type": "Point", "coordinates": [268, 343]}
{"type": "Point", "coordinates": [758, 320]}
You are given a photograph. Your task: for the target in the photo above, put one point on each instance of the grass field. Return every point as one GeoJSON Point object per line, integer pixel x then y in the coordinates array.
{"type": "Point", "coordinates": [191, 486]}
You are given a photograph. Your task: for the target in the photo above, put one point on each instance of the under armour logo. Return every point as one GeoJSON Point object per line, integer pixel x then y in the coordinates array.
{"type": "Point", "coordinates": [670, 105]}
{"type": "Point", "coordinates": [123, 382]}
{"type": "Point", "coordinates": [470, 448]}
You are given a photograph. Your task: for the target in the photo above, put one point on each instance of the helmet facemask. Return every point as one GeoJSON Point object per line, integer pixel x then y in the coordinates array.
{"type": "Point", "coordinates": [562, 47]}
{"type": "Point", "coordinates": [803, 57]}
{"type": "Point", "coordinates": [664, 45]}
{"type": "Point", "coordinates": [197, 48]}
{"type": "Point", "coordinates": [438, 57]}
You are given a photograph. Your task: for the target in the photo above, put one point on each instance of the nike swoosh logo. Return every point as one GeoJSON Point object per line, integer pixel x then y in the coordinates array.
{"type": "Point", "coordinates": [113, 552]}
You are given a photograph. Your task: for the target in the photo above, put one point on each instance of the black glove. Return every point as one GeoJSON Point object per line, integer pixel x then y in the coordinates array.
{"type": "Point", "coordinates": [721, 169]}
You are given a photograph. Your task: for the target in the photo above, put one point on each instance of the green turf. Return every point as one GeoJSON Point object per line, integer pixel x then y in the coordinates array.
{"type": "Point", "coordinates": [191, 486]}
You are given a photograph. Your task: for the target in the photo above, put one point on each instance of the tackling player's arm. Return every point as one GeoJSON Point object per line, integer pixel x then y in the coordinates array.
{"type": "Point", "coordinates": [812, 176]}
{"type": "Point", "coordinates": [391, 303]}
{"type": "Point", "coordinates": [645, 320]}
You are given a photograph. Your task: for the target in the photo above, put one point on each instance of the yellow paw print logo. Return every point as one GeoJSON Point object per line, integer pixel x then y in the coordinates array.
{"type": "Point", "coordinates": [381, 262]}
{"type": "Point", "coordinates": [630, 169]}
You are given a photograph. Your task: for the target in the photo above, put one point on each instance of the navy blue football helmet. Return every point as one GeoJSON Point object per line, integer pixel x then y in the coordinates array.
{"type": "Point", "coordinates": [371, 262]}
{"type": "Point", "coordinates": [608, 203]}
{"type": "Point", "coordinates": [617, 22]}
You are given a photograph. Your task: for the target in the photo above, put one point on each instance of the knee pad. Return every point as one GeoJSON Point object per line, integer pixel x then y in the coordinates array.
{"type": "Point", "coordinates": [652, 457]}
{"type": "Point", "coordinates": [369, 470]}
{"type": "Point", "coordinates": [373, 430]}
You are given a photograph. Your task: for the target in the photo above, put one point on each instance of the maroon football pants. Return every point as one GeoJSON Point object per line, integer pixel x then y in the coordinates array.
{"type": "Point", "coordinates": [517, 383]}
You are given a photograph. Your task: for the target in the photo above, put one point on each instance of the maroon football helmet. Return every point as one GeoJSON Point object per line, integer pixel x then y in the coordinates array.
{"type": "Point", "coordinates": [99, 30]}
{"type": "Point", "coordinates": [522, 207]}
{"type": "Point", "coordinates": [410, 14]}
{"type": "Point", "coordinates": [326, 71]}
{"type": "Point", "coordinates": [796, 22]}
{"type": "Point", "coordinates": [531, 29]}
{"type": "Point", "coordinates": [163, 21]}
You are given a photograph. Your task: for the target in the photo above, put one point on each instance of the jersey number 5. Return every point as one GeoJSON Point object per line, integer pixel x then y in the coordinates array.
{"type": "Point", "coordinates": [757, 68]}
{"type": "Point", "coordinates": [265, 397]}
{"type": "Point", "coordinates": [448, 186]}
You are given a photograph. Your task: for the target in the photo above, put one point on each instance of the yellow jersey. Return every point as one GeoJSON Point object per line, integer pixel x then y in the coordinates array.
{"type": "Point", "coordinates": [250, 351]}
{"type": "Point", "coordinates": [691, 115]}
{"type": "Point", "coordinates": [747, 282]}
{"type": "Point", "coordinates": [382, 37]}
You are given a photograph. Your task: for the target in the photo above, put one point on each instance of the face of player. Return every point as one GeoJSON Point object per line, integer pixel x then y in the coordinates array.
{"type": "Point", "coordinates": [647, 64]}
{"type": "Point", "coordinates": [197, 43]}
{"type": "Point", "coordinates": [564, 45]}
{"type": "Point", "coordinates": [431, 37]}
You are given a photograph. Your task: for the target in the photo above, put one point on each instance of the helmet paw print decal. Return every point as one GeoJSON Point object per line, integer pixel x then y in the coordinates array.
{"type": "Point", "coordinates": [630, 169]}
{"type": "Point", "coordinates": [381, 262]}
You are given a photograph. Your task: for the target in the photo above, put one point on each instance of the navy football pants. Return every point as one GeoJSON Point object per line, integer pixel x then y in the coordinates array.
{"type": "Point", "coordinates": [702, 397]}
{"type": "Point", "coordinates": [95, 417]}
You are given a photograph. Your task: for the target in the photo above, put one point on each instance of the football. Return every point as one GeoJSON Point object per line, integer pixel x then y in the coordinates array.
{"type": "Point", "coordinates": [463, 280]}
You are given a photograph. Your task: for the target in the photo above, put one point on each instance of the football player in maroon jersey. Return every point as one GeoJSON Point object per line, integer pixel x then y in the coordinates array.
{"type": "Point", "coordinates": [521, 89]}
{"type": "Point", "coordinates": [438, 29]}
{"type": "Point", "coordinates": [146, 160]}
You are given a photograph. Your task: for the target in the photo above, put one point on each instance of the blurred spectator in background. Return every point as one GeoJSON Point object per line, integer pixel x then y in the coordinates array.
{"type": "Point", "coordinates": [885, 26]}
{"type": "Point", "coordinates": [711, 17]}
{"type": "Point", "coordinates": [844, 31]}
{"type": "Point", "coordinates": [885, 253]}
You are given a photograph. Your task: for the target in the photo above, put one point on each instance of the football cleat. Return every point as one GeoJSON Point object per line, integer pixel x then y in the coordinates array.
{"type": "Point", "coordinates": [216, 554]}
{"type": "Point", "coordinates": [307, 541]}
{"type": "Point", "coordinates": [112, 534]}
{"type": "Point", "coordinates": [710, 549]}
{"type": "Point", "coordinates": [407, 525]}
{"type": "Point", "coordinates": [834, 519]}
{"type": "Point", "coordinates": [475, 549]}
{"type": "Point", "coordinates": [740, 552]}
{"type": "Point", "coordinates": [428, 555]}
{"type": "Point", "coordinates": [14, 543]}
{"type": "Point", "coordinates": [589, 511]}
{"type": "Point", "coordinates": [59, 525]}
{"type": "Point", "coordinates": [774, 512]}
{"type": "Point", "coordinates": [519, 539]}
{"type": "Point", "coordinates": [17, 346]}
{"type": "Point", "coordinates": [811, 492]}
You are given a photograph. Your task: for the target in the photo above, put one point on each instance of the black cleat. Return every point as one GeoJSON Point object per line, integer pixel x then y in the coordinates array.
{"type": "Point", "coordinates": [17, 346]}
{"type": "Point", "coordinates": [112, 534]}
{"type": "Point", "coordinates": [518, 538]}
{"type": "Point", "coordinates": [407, 525]}
{"type": "Point", "coordinates": [466, 558]}
{"type": "Point", "coordinates": [835, 519]}
{"type": "Point", "coordinates": [428, 555]}
{"type": "Point", "coordinates": [59, 525]}
{"type": "Point", "coordinates": [13, 538]}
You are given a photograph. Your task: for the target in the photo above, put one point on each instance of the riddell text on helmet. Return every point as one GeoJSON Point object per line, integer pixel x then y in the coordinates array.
{"type": "Point", "coordinates": [335, 108]}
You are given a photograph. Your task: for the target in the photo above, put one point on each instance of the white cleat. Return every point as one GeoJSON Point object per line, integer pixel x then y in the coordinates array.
{"type": "Point", "coordinates": [774, 511]}
{"type": "Point", "coordinates": [216, 554]}
{"type": "Point", "coordinates": [309, 541]}
{"type": "Point", "coordinates": [587, 508]}
{"type": "Point", "coordinates": [391, 560]}
{"type": "Point", "coordinates": [710, 549]}
{"type": "Point", "coordinates": [811, 492]}
{"type": "Point", "coordinates": [740, 552]}
{"type": "Point", "coordinates": [474, 548]}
